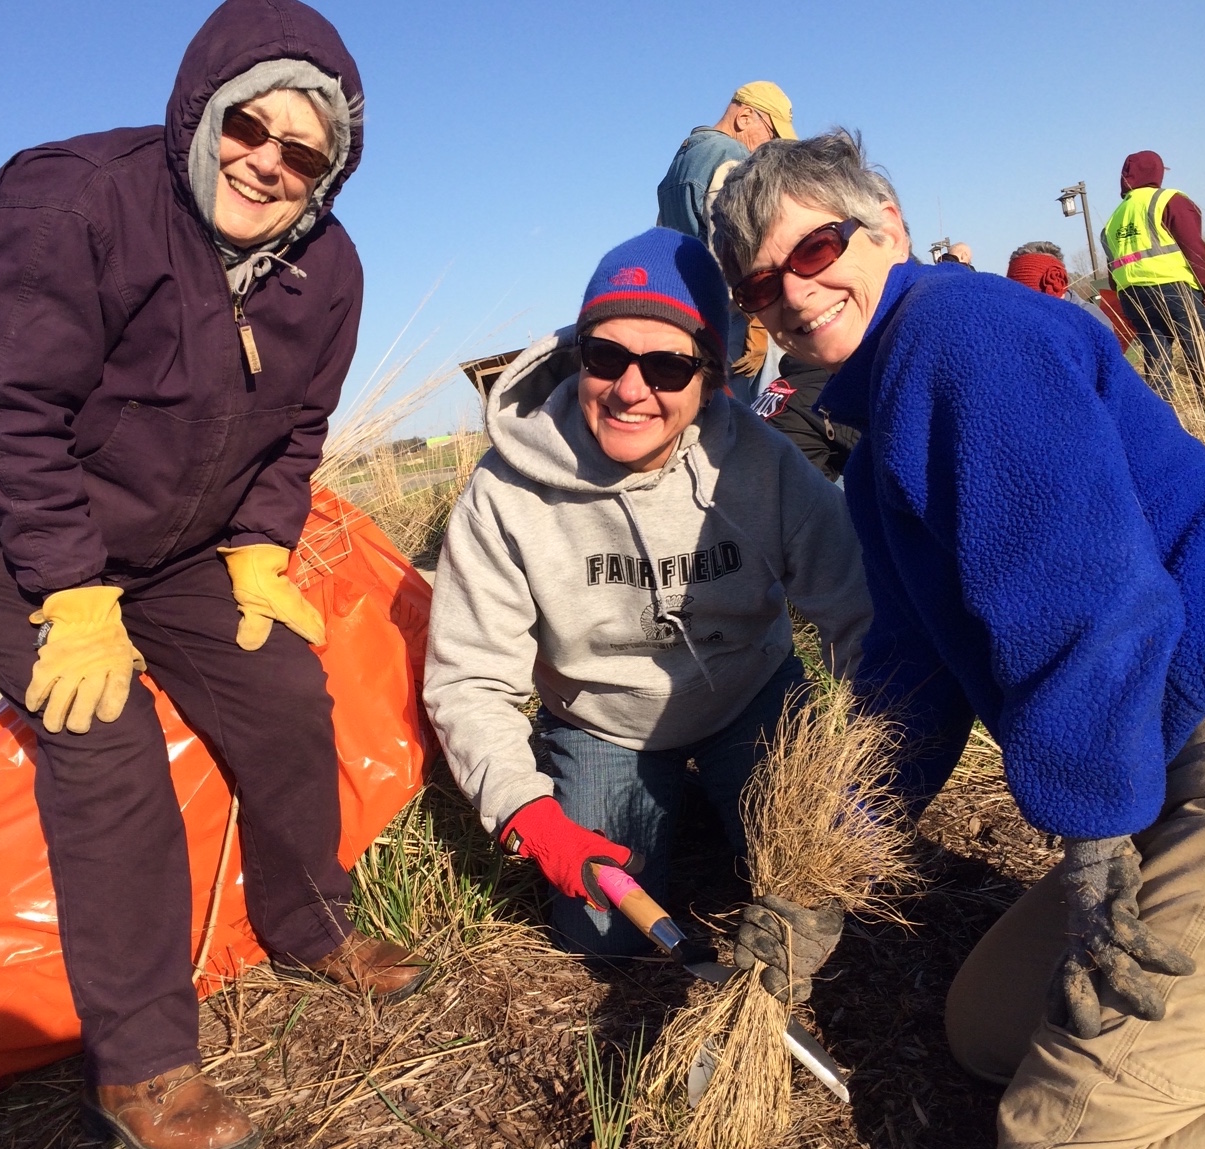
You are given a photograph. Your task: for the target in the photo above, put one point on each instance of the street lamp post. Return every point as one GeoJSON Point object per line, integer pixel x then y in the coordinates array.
{"type": "Point", "coordinates": [1067, 198]}
{"type": "Point", "coordinates": [937, 247]}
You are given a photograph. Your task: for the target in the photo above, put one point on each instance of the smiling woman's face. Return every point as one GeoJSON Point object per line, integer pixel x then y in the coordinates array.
{"type": "Point", "coordinates": [258, 197]}
{"type": "Point", "coordinates": [634, 424]}
{"type": "Point", "coordinates": [824, 318]}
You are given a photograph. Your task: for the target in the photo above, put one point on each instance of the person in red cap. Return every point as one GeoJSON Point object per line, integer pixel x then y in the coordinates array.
{"type": "Point", "coordinates": [1157, 263]}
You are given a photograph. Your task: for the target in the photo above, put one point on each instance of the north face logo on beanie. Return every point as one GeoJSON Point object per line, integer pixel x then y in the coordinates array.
{"type": "Point", "coordinates": [630, 277]}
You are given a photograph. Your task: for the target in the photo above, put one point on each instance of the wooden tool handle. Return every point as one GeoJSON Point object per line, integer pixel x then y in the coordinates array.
{"type": "Point", "coordinates": [635, 905]}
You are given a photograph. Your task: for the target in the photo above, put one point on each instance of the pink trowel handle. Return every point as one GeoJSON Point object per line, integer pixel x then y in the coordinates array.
{"type": "Point", "coordinates": [617, 884]}
{"type": "Point", "coordinates": [645, 914]}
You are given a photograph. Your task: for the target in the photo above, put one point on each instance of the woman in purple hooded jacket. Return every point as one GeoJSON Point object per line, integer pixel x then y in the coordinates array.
{"type": "Point", "coordinates": [178, 309]}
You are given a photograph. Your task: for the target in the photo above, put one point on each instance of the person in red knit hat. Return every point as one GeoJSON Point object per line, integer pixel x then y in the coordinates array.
{"type": "Point", "coordinates": [1040, 265]}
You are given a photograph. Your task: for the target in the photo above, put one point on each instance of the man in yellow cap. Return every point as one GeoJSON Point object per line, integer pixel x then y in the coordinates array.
{"type": "Point", "coordinates": [757, 113]}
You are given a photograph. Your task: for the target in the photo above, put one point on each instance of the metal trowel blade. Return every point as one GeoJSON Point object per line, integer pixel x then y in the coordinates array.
{"type": "Point", "coordinates": [711, 971]}
{"type": "Point", "coordinates": [701, 1071]}
{"type": "Point", "coordinates": [806, 1049]}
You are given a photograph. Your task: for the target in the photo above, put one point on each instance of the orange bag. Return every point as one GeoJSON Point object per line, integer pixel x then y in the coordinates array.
{"type": "Point", "coordinates": [376, 608]}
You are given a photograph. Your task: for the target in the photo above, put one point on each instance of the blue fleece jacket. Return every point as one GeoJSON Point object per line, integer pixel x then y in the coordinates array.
{"type": "Point", "coordinates": [1032, 519]}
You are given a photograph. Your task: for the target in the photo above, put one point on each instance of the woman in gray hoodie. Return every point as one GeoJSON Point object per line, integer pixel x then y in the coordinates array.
{"type": "Point", "coordinates": [628, 547]}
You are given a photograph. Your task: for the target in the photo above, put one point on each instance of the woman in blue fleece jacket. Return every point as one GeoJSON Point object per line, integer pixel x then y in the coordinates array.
{"type": "Point", "coordinates": [1032, 519]}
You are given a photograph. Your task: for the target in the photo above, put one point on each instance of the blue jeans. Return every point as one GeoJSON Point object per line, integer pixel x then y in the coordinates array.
{"type": "Point", "coordinates": [633, 798]}
{"type": "Point", "coordinates": [1164, 314]}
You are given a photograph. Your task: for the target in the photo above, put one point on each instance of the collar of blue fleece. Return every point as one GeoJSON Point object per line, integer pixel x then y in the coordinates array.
{"type": "Point", "coordinates": [846, 396]}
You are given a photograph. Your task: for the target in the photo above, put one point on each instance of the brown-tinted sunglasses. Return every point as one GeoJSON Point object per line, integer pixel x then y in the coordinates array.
{"type": "Point", "coordinates": [819, 249]}
{"type": "Point", "coordinates": [244, 128]}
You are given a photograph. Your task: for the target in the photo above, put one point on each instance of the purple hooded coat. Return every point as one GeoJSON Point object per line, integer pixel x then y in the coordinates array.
{"type": "Point", "coordinates": [131, 430]}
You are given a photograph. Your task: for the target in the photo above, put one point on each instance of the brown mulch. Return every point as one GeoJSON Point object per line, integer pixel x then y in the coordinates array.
{"type": "Point", "coordinates": [486, 1056]}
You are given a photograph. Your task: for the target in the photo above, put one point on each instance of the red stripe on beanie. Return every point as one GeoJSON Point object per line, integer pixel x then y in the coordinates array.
{"type": "Point", "coordinates": [654, 297]}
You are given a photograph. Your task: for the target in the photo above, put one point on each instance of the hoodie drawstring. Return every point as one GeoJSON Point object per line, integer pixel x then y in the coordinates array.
{"type": "Point", "coordinates": [711, 505]}
{"type": "Point", "coordinates": [242, 278]}
{"type": "Point", "coordinates": [664, 614]}
{"type": "Point", "coordinates": [256, 266]}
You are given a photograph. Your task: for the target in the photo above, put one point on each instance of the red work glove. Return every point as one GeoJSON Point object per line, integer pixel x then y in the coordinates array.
{"type": "Point", "coordinates": [564, 850]}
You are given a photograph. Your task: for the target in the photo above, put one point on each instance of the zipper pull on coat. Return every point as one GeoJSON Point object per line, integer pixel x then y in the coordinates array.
{"type": "Point", "coordinates": [829, 433]}
{"type": "Point", "coordinates": [248, 339]}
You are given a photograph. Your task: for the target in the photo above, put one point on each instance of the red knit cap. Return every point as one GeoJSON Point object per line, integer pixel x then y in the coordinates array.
{"type": "Point", "coordinates": [1042, 272]}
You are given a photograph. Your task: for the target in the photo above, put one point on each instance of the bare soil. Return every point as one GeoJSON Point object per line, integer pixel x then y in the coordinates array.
{"type": "Point", "coordinates": [486, 1056]}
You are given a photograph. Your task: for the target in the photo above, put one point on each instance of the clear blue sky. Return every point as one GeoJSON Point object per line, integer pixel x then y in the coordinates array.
{"type": "Point", "coordinates": [509, 144]}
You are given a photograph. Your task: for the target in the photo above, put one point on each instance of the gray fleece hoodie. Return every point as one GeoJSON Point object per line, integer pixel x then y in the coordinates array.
{"type": "Point", "coordinates": [646, 608]}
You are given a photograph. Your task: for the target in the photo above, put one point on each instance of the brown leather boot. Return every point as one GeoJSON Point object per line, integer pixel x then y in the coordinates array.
{"type": "Point", "coordinates": [362, 963]}
{"type": "Point", "coordinates": [179, 1109]}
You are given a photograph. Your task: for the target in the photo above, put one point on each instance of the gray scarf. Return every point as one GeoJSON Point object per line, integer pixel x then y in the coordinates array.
{"type": "Point", "coordinates": [243, 266]}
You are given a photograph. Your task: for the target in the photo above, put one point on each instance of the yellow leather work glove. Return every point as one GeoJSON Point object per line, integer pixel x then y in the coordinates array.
{"type": "Point", "coordinates": [85, 665]}
{"type": "Point", "coordinates": [264, 595]}
{"type": "Point", "coordinates": [757, 340]}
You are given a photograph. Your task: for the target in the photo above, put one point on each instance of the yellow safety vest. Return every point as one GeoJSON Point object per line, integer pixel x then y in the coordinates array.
{"type": "Point", "coordinates": [1142, 252]}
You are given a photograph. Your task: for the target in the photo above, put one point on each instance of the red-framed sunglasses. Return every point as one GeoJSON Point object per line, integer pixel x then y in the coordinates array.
{"type": "Point", "coordinates": [661, 370]}
{"type": "Point", "coordinates": [245, 129]}
{"type": "Point", "coordinates": [817, 250]}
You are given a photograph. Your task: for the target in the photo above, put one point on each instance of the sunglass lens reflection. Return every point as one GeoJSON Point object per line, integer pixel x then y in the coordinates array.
{"type": "Point", "coordinates": [816, 252]}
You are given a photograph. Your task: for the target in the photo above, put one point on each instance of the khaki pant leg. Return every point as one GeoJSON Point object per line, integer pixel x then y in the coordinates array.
{"type": "Point", "coordinates": [1139, 1085]}
{"type": "Point", "coordinates": [998, 997]}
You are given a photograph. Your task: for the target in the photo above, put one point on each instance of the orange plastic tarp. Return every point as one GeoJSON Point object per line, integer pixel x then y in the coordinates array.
{"type": "Point", "coordinates": [376, 608]}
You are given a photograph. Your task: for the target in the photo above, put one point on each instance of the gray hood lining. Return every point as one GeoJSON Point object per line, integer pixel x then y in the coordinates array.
{"type": "Point", "coordinates": [535, 423]}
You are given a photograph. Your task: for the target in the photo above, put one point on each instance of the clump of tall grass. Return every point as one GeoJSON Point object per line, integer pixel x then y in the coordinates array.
{"type": "Point", "coordinates": [1186, 387]}
{"type": "Point", "coordinates": [822, 826]}
{"type": "Point", "coordinates": [410, 499]}
{"type": "Point", "coordinates": [408, 494]}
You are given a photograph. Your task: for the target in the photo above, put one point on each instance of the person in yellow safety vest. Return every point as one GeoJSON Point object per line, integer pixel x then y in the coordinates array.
{"type": "Point", "coordinates": [1157, 263]}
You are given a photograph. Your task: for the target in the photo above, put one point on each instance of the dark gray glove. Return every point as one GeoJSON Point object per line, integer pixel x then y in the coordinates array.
{"type": "Point", "coordinates": [772, 924]}
{"type": "Point", "coordinates": [1101, 880]}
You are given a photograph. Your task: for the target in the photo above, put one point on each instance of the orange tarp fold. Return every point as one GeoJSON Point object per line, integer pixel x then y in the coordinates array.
{"type": "Point", "coordinates": [376, 608]}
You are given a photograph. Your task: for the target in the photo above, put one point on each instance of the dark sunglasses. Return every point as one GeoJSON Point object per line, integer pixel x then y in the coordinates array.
{"type": "Point", "coordinates": [662, 370]}
{"type": "Point", "coordinates": [810, 256]}
{"type": "Point", "coordinates": [244, 128]}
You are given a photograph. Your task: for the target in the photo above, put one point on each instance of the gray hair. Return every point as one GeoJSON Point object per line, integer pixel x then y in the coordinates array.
{"type": "Point", "coordinates": [828, 172]}
{"type": "Point", "coordinates": [338, 128]}
{"type": "Point", "coordinates": [1038, 247]}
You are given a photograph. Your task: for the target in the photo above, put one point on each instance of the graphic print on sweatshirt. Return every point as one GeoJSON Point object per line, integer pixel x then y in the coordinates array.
{"type": "Point", "coordinates": [664, 624]}
{"type": "Point", "coordinates": [773, 400]}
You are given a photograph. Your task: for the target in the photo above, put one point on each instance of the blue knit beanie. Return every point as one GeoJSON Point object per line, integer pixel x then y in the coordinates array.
{"type": "Point", "coordinates": [662, 274]}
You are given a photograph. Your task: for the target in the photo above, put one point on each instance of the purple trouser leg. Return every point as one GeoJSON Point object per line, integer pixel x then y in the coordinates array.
{"type": "Point", "coordinates": [112, 821]}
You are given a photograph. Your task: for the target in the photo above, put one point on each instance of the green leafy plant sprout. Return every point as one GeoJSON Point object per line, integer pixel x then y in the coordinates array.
{"type": "Point", "coordinates": [610, 1101]}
